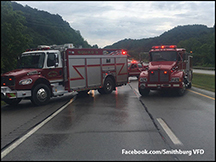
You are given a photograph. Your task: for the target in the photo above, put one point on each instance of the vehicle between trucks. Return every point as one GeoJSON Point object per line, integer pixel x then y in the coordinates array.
{"type": "Point", "coordinates": [135, 67]}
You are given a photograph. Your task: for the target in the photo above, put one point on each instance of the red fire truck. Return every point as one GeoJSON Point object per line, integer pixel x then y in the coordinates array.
{"type": "Point", "coordinates": [50, 71]}
{"type": "Point", "coordinates": [169, 68]}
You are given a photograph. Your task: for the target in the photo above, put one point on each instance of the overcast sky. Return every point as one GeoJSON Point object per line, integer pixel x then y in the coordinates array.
{"type": "Point", "coordinates": [107, 22]}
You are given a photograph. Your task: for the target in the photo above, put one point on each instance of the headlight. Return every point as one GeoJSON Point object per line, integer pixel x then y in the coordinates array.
{"type": "Point", "coordinates": [143, 79]}
{"type": "Point", "coordinates": [175, 80]}
{"type": "Point", "coordinates": [25, 81]}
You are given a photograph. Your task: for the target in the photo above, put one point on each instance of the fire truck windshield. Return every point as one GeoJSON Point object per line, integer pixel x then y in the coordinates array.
{"type": "Point", "coordinates": [163, 56]}
{"type": "Point", "coordinates": [31, 60]}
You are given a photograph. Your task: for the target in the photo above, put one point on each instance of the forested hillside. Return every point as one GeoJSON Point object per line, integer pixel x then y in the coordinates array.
{"type": "Point", "coordinates": [25, 27]}
{"type": "Point", "coordinates": [196, 38]}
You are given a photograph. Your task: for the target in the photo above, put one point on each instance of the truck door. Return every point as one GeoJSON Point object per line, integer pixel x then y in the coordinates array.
{"type": "Point", "coordinates": [181, 64]}
{"type": "Point", "coordinates": [53, 72]}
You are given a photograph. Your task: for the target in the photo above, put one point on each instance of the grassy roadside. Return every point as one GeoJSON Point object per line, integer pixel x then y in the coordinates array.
{"type": "Point", "coordinates": [204, 81]}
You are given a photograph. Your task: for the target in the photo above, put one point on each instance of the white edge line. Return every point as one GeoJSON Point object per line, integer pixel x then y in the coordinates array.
{"type": "Point", "coordinates": [169, 132]}
{"type": "Point", "coordinates": [33, 130]}
{"type": "Point", "coordinates": [137, 92]}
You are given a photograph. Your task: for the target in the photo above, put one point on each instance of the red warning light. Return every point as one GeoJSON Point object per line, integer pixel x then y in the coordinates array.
{"type": "Point", "coordinates": [164, 46]}
{"type": "Point", "coordinates": [165, 72]}
{"type": "Point", "coordinates": [124, 52]}
{"type": "Point", "coordinates": [172, 46]}
{"type": "Point", "coordinates": [152, 72]}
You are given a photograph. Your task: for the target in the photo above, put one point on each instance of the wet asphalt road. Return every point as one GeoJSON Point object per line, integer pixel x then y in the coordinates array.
{"type": "Point", "coordinates": [191, 118]}
{"type": "Point", "coordinates": [107, 127]}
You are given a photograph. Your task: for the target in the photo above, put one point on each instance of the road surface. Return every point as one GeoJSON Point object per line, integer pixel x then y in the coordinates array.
{"type": "Point", "coordinates": [119, 126]}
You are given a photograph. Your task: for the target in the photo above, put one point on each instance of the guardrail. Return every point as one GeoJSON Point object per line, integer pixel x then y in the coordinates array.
{"type": "Point", "coordinates": [203, 68]}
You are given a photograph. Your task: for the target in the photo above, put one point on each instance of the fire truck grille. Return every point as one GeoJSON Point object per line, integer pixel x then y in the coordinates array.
{"type": "Point", "coordinates": [159, 76]}
{"type": "Point", "coordinates": [153, 76]}
{"type": "Point", "coordinates": [7, 81]}
{"type": "Point", "coordinates": [164, 76]}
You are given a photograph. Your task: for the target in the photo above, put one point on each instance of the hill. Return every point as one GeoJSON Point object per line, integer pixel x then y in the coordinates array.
{"type": "Point", "coordinates": [197, 38]}
{"type": "Point", "coordinates": [25, 27]}
{"type": "Point", "coordinates": [46, 28]}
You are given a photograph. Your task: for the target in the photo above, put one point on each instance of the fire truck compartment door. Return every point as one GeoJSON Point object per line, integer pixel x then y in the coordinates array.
{"type": "Point", "coordinates": [77, 73]}
{"type": "Point", "coordinates": [93, 72]}
{"type": "Point", "coordinates": [108, 64]}
{"type": "Point", "coordinates": [84, 72]}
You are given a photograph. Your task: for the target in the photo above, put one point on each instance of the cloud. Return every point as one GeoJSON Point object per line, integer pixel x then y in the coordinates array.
{"type": "Point", "coordinates": [106, 22]}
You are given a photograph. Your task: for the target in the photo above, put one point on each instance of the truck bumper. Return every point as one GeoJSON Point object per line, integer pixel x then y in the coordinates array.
{"type": "Point", "coordinates": [160, 86]}
{"type": "Point", "coordinates": [6, 92]}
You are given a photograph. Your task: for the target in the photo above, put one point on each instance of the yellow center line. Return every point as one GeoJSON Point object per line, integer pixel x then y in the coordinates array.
{"type": "Point", "coordinates": [201, 94]}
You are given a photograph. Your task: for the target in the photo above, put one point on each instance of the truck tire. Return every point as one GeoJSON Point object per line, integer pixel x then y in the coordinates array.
{"type": "Point", "coordinates": [108, 86]}
{"type": "Point", "coordinates": [12, 102]}
{"type": "Point", "coordinates": [40, 95]}
{"type": "Point", "coordinates": [101, 91]}
{"type": "Point", "coordinates": [144, 92]}
{"type": "Point", "coordinates": [189, 85]}
{"type": "Point", "coordinates": [182, 90]}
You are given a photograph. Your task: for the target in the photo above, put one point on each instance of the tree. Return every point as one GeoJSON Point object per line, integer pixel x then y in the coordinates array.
{"type": "Point", "coordinates": [13, 37]}
{"type": "Point", "coordinates": [95, 46]}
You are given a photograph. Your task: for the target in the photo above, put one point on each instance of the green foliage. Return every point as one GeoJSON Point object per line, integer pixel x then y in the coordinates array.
{"type": "Point", "coordinates": [13, 37]}
{"type": "Point", "coordinates": [197, 38]}
{"type": "Point", "coordinates": [46, 28]}
{"type": "Point", "coordinates": [203, 48]}
{"type": "Point", "coordinates": [24, 27]}
{"type": "Point", "coordinates": [204, 81]}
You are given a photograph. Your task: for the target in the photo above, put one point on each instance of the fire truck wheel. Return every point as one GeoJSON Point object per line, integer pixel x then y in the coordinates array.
{"type": "Point", "coordinates": [108, 86]}
{"type": "Point", "coordinates": [12, 101]}
{"type": "Point", "coordinates": [41, 94]}
{"type": "Point", "coordinates": [144, 92]}
{"type": "Point", "coordinates": [181, 91]}
{"type": "Point", "coordinates": [101, 91]}
{"type": "Point", "coordinates": [189, 85]}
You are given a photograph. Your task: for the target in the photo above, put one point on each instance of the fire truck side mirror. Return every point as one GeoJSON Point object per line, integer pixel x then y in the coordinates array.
{"type": "Point", "coordinates": [18, 62]}
{"type": "Point", "coordinates": [180, 57]}
{"type": "Point", "coordinates": [56, 60]}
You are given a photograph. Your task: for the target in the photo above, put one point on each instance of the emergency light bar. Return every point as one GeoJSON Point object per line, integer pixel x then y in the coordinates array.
{"type": "Point", "coordinates": [164, 46]}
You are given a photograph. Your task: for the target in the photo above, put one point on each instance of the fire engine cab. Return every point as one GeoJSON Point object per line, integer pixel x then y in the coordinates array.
{"type": "Point", "coordinates": [50, 71]}
{"type": "Point", "coordinates": [169, 68]}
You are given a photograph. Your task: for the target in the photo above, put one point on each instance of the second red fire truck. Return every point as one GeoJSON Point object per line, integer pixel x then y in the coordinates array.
{"type": "Point", "coordinates": [50, 71]}
{"type": "Point", "coordinates": [169, 68]}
